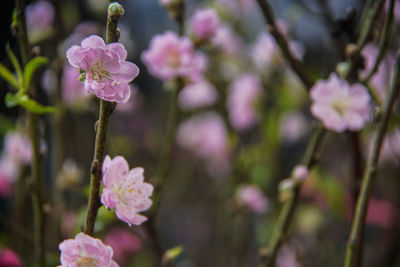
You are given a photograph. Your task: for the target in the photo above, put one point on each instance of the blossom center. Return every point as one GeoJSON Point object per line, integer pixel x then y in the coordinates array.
{"type": "Point", "coordinates": [87, 262]}
{"type": "Point", "coordinates": [174, 59]}
{"type": "Point", "coordinates": [97, 70]}
{"type": "Point", "coordinates": [340, 106]}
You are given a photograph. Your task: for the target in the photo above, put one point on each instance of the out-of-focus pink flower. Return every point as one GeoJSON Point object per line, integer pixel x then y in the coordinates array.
{"type": "Point", "coordinates": [243, 94]}
{"type": "Point", "coordinates": [205, 23]}
{"type": "Point", "coordinates": [287, 258]}
{"type": "Point", "coordinates": [39, 19]}
{"type": "Point", "coordinates": [252, 198]}
{"type": "Point", "coordinates": [293, 127]}
{"type": "Point", "coordinates": [170, 56]}
{"type": "Point", "coordinates": [382, 77]}
{"type": "Point", "coordinates": [391, 148]}
{"type": "Point", "coordinates": [265, 53]}
{"type": "Point", "coordinates": [123, 242]}
{"type": "Point", "coordinates": [125, 190]}
{"type": "Point", "coordinates": [85, 250]}
{"type": "Point", "coordinates": [81, 31]}
{"type": "Point", "coordinates": [18, 147]}
{"type": "Point", "coordinates": [340, 106]}
{"type": "Point", "coordinates": [73, 91]}
{"type": "Point", "coordinates": [68, 222]}
{"type": "Point", "coordinates": [206, 136]}
{"type": "Point", "coordinates": [107, 74]}
{"type": "Point", "coordinates": [9, 258]}
{"type": "Point", "coordinates": [300, 172]}
{"type": "Point", "coordinates": [226, 40]}
{"type": "Point", "coordinates": [5, 186]}
{"type": "Point", "coordinates": [196, 95]}
{"type": "Point", "coordinates": [9, 168]}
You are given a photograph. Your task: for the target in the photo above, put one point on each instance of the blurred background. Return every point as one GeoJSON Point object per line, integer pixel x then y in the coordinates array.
{"type": "Point", "coordinates": [220, 199]}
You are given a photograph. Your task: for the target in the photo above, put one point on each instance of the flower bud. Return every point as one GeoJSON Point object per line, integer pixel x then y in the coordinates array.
{"type": "Point", "coordinates": [115, 11]}
{"type": "Point", "coordinates": [300, 173]}
{"type": "Point", "coordinates": [343, 69]}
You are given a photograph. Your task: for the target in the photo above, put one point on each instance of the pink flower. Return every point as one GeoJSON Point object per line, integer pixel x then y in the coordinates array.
{"type": "Point", "coordinates": [85, 250]}
{"type": "Point", "coordinates": [243, 94]}
{"type": "Point", "coordinates": [125, 191]}
{"type": "Point", "coordinates": [39, 19]}
{"type": "Point", "coordinates": [18, 147]}
{"type": "Point", "coordinates": [300, 173]}
{"type": "Point", "coordinates": [287, 258]}
{"type": "Point", "coordinates": [205, 23]}
{"type": "Point", "coordinates": [107, 74]}
{"type": "Point", "coordinates": [9, 258]}
{"type": "Point", "coordinates": [252, 198]}
{"type": "Point", "coordinates": [226, 40]}
{"type": "Point", "coordinates": [123, 242]}
{"type": "Point", "coordinates": [206, 136]}
{"type": "Point", "coordinates": [382, 77]}
{"type": "Point", "coordinates": [293, 127]}
{"type": "Point", "coordinates": [196, 95]}
{"type": "Point", "coordinates": [170, 56]}
{"type": "Point", "coordinates": [340, 106]}
{"type": "Point", "coordinates": [73, 93]}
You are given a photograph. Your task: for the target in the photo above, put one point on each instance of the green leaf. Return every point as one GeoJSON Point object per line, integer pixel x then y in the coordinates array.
{"type": "Point", "coordinates": [30, 69]}
{"type": "Point", "coordinates": [15, 63]}
{"type": "Point", "coordinates": [8, 76]}
{"type": "Point", "coordinates": [172, 254]}
{"type": "Point", "coordinates": [11, 100]}
{"type": "Point", "coordinates": [34, 107]}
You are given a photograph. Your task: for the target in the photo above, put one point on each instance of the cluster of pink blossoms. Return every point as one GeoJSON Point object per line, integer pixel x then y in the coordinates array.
{"type": "Point", "coordinates": [39, 20]}
{"type": "Point", "coordinates": [85, 250]}
{"type": "Point", "coordinates": [339, 105]}
{"type": "Point", "coordinates": [170, 56]}
{"type": "Point", "coordinates": [244, 92]}
{"type": "Point", "coordinates": [197, 95]}
{"type": "Point", "coordinates": [125, 190]}
{"type": "Point", "coordinates": [107, 74]}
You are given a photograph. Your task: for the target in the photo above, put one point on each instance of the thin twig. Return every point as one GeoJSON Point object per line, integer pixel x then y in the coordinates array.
{"type": "Point", "coordinates": [384, 41]}
{"type": "Point", "coordinates": [287, 211]}
{"type": "Point", "coordinates": [36, 170]}
{"type": "Point", "coordinates": [370, 173]}
{"type": "Point", "coordinates": [280, 39]}
{"type": "Point", "coordinates": [106, 109]}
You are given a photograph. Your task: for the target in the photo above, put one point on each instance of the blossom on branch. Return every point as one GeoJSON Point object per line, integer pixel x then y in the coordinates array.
{"type": "Point", "coordinates": [125, 190]}
{"type": "Point", "coordinates": [205, 24]}
{"type": "Point", "coordinates": [339, 105]}
{"type": "Point", "coordinates": [104, 69]}
{"type": "Point", "coordinates": [85, 250]}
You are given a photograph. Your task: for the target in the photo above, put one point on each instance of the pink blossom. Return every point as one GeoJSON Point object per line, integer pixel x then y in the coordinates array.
{"type": "Point", "coordinates": [206, 136]}
{"type": "Point", "coordinates": [382, 77]}
{"type": "Point", "coordinates": [226, 40]}
{"type": "Point", "coordinates": [196, 95]}
{"type": "Point", "coordinates": [170, 56]}
{"type": "Point", "coordinates": [73, 91]}
{"type": "Point", "coordinates": [5, 186]}
{"type": "Point", "coordinates": [39, 19]}
{"type": "Point", "coordinates": [107, 74]}
{"type": "Point", "coordinates": [265, 52]}
{"type": "Point", "coordinates": [243, 94]}
{"type": "Point", "coordinates": [18, 147]}
{"type": "Point", "coordinates": [391, 148]}
{"type": "Point", "coordinates": [252, 198]}
{"type": "Point", "coordinates": [9, 258]}
{"type": "Point", "coordinates": [85, 250]}
{"type": "Point", "coordinates": [300, 172]}
{"type": "Point", "coordinates": [125, 190]}
{"type": "Point", "coordinates": [293, 127]}
{"type": "Point", "coordinates": [205, 23]}
{"type": "Point", "coordinates": [340, 106]}
{"type": "Point", "coordinates": [287, 258]}
{"type": "Point", "coordinates": [123, 242]}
